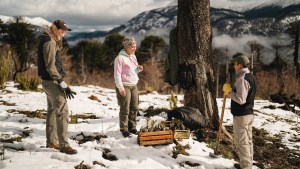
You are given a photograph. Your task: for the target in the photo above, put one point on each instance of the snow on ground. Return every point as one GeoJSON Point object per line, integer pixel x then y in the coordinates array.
{"type": "Point", "coordinates": [129, 153]}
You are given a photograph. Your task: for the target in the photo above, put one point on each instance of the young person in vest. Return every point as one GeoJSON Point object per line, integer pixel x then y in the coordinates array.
{"type": "Point", "coordinates": [126, 69]}
{"type": "Point", "coordinates": [51, 71]}
{"type": "Point", "coordinates": [242, 101]}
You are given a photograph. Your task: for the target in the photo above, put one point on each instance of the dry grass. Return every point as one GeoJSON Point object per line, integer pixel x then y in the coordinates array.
{"type": "Point", "coordinates": [270, 83]}
{"type": "Point", "coordinates": [151, 79]}
{"type": "Point", "coordinates": [97, 78]}
{"type": "Point", "coordinates": [103, 79]}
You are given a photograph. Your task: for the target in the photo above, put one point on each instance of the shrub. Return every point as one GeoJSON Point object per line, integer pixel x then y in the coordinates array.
{"type": "Point", "coordinates": [26, 82]}
{"type": "Point", "coordinates": [4, 69]}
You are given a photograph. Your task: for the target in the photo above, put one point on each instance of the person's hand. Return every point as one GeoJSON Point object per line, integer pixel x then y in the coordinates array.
{"type": "Point", "coordinates": [123, 93]}
{"type": "Point", "coordinates": [141, 68]}
{"type": "Point", "coordinates": [226, 88]}
{"type": "Point", "coordinates": [69, 93]}
{"type": "Point", "coordinates": [66, 89]}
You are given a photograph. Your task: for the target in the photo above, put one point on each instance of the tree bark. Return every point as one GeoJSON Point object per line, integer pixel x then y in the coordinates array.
{"type": "Point", "coordinates": [194, 49]}
{"type": "Point", "coordinates": [296, 52]}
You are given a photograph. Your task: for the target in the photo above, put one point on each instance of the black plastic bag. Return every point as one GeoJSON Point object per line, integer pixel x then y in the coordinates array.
{"type": "Point", "coordinates": [191, 117]}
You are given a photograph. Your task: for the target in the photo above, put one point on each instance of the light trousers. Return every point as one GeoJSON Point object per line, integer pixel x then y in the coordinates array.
{"type": "Point", "coordinates": [242, 137]}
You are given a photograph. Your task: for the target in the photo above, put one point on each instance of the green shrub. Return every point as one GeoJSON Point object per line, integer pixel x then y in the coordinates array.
{"type": "Point", "coordinates": [4, 70]}
{"type": "Point", "coordinates": [27, 83]}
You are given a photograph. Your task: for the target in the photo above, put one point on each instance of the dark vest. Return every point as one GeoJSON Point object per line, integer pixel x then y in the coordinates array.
{"type": "Point", "coordinates": [42, 71]}
{"type": "Point", "coordinates": [247, 108]}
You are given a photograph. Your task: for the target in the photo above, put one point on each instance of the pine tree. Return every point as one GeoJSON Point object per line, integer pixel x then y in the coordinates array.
{"type": "Point", "coordinates": [294, 32]}
{"type": "Point", "coordinates": [21, 38]}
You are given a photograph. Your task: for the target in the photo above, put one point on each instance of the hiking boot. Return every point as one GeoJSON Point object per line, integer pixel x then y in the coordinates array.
{"type": "Point", "coordinates": [125, 134]}
{"type": "Point", "coordinates": [133, 131]}
{"type": "Point", "coordinates": [237, 166]}
{"type": "Point", "coordinates": [68, 150]}
{"type": "Point", "coordinates": [51, 145]}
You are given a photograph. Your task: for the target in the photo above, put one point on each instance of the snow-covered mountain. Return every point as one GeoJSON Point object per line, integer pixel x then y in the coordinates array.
{"type": "Point", "coordinates": [269, 19]}
{"type": "Point", "coordinates": [280, 3]}
{"type": "Point", "coordinates": [245, 5]}
{"type": "Point", "coordinates": [36, 21]}
{"type": "Point", "coordinates": [151, 22]}
{"type": "Point", "coordinates": [37, 24]}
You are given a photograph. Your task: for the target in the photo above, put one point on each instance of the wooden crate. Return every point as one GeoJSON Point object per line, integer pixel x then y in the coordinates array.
{"type": "Point", "coordinates": [155, 138]}
{"type": "Point", "coordinates": [181, 134]}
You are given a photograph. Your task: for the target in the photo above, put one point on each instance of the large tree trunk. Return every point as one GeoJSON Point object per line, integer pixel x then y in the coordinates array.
{"type": "Point", "coordinates": [296, 52]}
{"type": "Point", "coordinates": [194, 49]}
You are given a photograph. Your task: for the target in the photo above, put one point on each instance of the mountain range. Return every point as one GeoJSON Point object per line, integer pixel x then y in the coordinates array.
{"type": "Point", "coordinates": [268, 19]}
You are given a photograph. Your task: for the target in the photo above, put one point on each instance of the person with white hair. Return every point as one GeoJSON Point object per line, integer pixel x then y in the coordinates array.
{"type": "Point", "coordinates": [126, 69]}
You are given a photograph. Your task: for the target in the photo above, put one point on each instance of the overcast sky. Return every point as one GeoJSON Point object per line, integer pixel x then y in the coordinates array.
{"type": "Point", "coordinates": [93, 12]}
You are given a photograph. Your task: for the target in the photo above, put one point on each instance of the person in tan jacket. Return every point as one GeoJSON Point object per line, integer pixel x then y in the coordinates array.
{"type": "Point", "coordinates": [52, 73]}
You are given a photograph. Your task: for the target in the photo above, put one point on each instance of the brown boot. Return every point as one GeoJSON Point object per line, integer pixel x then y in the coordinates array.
{"type": "Point", "coordinates": [237, 166]}
{"type": "Point", "coordinates": [68, 150]}
{"type": "Point", "coordinates": [126, 134]}
{"type": "Point", "coordinates": [55, 146]}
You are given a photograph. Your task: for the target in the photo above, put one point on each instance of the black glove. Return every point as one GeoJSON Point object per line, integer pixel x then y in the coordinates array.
{"type": "Point", "coordinates": [66, 89]}
{"type": "Point", "coordinates": [69, 93]}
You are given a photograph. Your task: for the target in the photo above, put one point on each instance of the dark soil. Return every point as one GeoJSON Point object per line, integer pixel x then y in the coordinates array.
{"type": "Point", "coordinates": [42, 114]}
{"type": "Point", "coordinates": [191, 164]}
{"type": "Point", "coordinates": [108, 155]}
{"type": "Point", "coordinates": [31, 114]}
{"type": "Point", "coordinates": [269, 152]}
{"type": "Point", "coordinates": [154, 111]}
{"type": "Point", "coordinates": [83, 138]}
{"type": "Point", "coordinates": [82, 166]}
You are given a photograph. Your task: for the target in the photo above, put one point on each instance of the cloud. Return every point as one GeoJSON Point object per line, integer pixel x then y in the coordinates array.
{"type": "Point", "coordinates": [81, 12]}
{"type": "Point", "coordinates": [96, 12]}
{"type": "Point", "coordinates": [236, 4]}
{"type": "Point", "coordinates": [238, 44]}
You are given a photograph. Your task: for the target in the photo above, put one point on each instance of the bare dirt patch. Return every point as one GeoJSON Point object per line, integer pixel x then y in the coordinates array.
{"type": "Point", "coordinates": [269, 152]}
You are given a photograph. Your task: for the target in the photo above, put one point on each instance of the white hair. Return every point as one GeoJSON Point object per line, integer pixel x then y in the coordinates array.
{"type": "Point", "coordinates": [128, 41]}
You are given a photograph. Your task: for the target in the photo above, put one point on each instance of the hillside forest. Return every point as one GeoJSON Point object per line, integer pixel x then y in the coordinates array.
{"type": "Point", "coordinates": [90, 61]}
